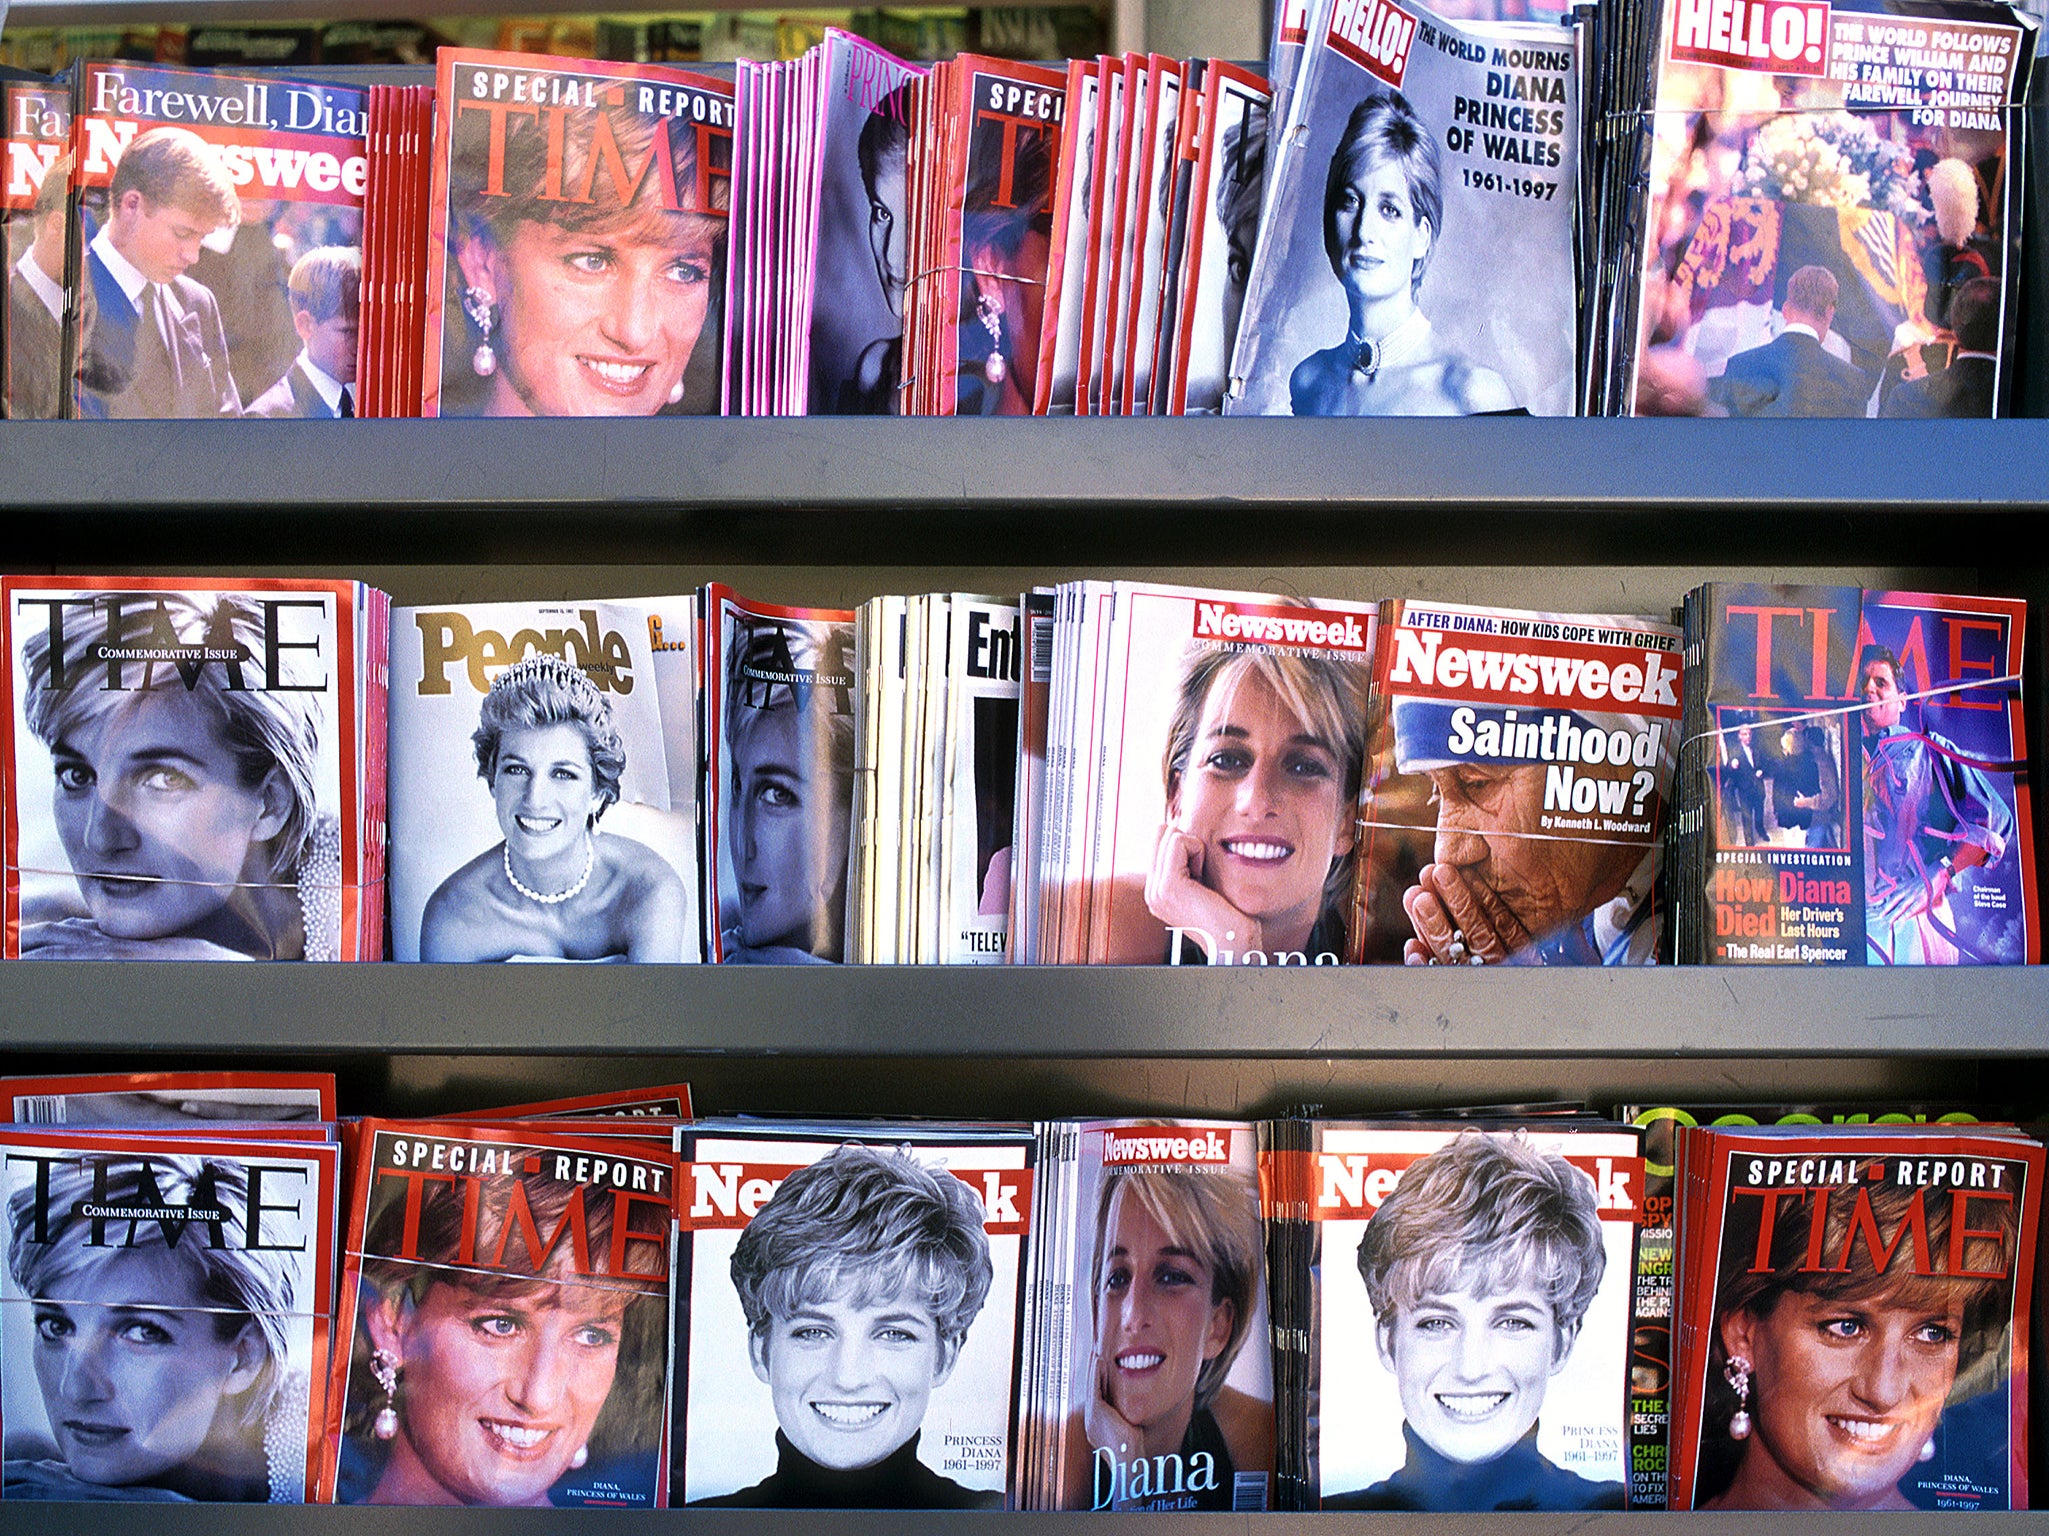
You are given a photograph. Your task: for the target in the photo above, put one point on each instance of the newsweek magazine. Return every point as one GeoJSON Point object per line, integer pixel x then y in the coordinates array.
{"type": "Point", "coordinates": [544, 781]}
{"type": "Point", "coordinates": [164, 1315]}
{"type": "Point", "coordinates": [1855, 1312]}
{"type": "Point", "coordinates": [776, 693]}
{"type": "Point", "coordinates": [35, 132]}
{"type": "Point", "coordinates": [576, 243]}
{"type": "Point", "coordinates": [1467, 1305]}
{"type": "Point", "coordinates": [1210, 778]}
{"type": "Point", "coordinates": [1419, 161]}
{"type": "Point", "coordinates": [1522, 771]}
{"type": "Point", "coordinates": [869, 1277]}
{"type": "Point", "coordinates": [859, 264]}
{"type": "Point", "coordinates": [194, 768]}
{"type": "Point", "coordinates": [1653, 1322]}
{"type": "Point", "coordinates": [504, 1333]}
{"type": "Point", "coordinates": [1832, 225]}
{"type": "Point", "coordinates": [218, 233]}
{"type": "Point", "coordinates": [1155, 1389]}
{"type": "Point", "coordinates": [1860, 763]}
{"type": "Point", "coordinates": [192, 1101]}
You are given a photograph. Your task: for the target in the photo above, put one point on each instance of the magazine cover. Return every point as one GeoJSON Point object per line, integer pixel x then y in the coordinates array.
{"type": "Point", "coordinates": [219, 232]}
{"type": "Point", "coordinates": [778, 738]}
{"type": "Point", "coordinates": [857, 300]}
{"type": "Point", "coordinates": [984, 671]}
{"type": "Point", "coordinates": [1471, 1316]}
{"type": "Point", "coordinates": [544, 782]}
{"type": "Point", "coordinates": [1421, 160]}
{"type": "Point", "coordinates": [35, 132]}
{"type": "Point", "coordinates": [1652, 1323]}
{"type": "Point", "coordinates": [666, 1102]}
{"type": "Point", "coordinates": [504, 1315]}
{"type": "Point", "coordinates": [189, 1100]}
{"type": "Point", "coordinates": [1161, 1395]}
{"type": "Point", "coordinates": [164, 1316]}
{"type": "Point", "coordinates": [190, 768]}
{"type": "Point", "coordinates": [576, 247]}
{"type": "Point", "coordinates": [1833, 226]}
{"type": "Point", "coordinates": [1000, 235]}
{"type": "Point", "coordinates": [1223, 231]}
{"type": "Point", "coordinates": [1073, 195]}
{"type": "Point", "coordinates": [1522, 770]}
{"type": "Point", "coordinates": [1856, 1319]}
{"type": "Point", "coordinates": [1866, 761]}
{"type": "Point", "coordinates": [848, 1316]}
{"type": "Point", "coordinates": [1233, 761]}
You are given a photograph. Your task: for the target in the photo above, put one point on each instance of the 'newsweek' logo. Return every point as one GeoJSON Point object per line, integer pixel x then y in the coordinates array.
{"type": "Point", "coordinates": [1781, 37]}
{"type": "Point", "coordinates": [1375, 35]}
{"type": "Point", "coordinates": [1163, 1144]}
{"type": "Point", "coordinates": [1265, 625]}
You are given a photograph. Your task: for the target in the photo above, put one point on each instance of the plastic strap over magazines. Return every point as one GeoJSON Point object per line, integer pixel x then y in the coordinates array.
{"type": "Point", "coordinates": [1970, 685]}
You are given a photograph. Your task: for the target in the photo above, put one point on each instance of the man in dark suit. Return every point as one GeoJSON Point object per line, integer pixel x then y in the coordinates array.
{"type": "Point", "coordinates": [1793, 374]}
{"type": "Point", "coordinates": [1964, 388]}
{"type": "Point", "coordinates": [1743, 776]}
{"type": "Point", "coordinates": [158, 348]}
{"type": "Point", "coordinates": [326, 296]}
{"type": "Point", "coordinates": [34, 386]}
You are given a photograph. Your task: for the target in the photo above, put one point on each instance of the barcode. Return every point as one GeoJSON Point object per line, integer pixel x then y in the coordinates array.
{"type": "Point", "coordinates": [1248, 1491]}
{"type": "Point", "coordinates": [1042, 648]}
{"type": "Point", "coordinates": [39, 1109]}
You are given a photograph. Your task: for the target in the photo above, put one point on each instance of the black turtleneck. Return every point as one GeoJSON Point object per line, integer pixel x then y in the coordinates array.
{"type": "Point", "coordinates": [898, 1481]}
{"type": "Point", "coordinates": [1519, 1478]}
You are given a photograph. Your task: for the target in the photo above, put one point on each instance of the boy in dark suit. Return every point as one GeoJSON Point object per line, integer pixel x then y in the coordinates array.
{"type": "Point", "coordinates": [326, 295]}
{"type": "Point", "coordinates": [1964, 388]}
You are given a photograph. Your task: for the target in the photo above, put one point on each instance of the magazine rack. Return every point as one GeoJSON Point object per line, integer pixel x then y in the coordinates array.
{"type": "Point", "coordinates": [1575, 514]}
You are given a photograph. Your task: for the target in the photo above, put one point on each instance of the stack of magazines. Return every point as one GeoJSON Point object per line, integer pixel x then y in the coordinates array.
{"type": "Point", "coordinates": [217, 1291]}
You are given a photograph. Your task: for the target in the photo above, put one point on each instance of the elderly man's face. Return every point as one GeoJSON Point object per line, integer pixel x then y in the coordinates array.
{"type": "Point", "coordinates": [1490, 828]}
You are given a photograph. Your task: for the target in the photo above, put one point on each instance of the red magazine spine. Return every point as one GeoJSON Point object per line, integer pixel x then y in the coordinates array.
{"type": "Point", "coordinates": [1065, 189]}
{"type": "Point", "coordinates": [432, 335]}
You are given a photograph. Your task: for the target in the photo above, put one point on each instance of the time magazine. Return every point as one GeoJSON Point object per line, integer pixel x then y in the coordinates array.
{"type": "Point", "coordinates": [194, 768]}
{"type": "Point", "coordinates": [217, 250]}
{"type": "Point", "coordinates": [164, 1314]}
{"type": "Point", "coordinates": [190, 1101]}
{"type": "Point", "coordinates": [1854, 1318]}
{"type": "Point", "coordinates": [848, 1315]}
{"type": "Point", "coordinates": [544, 782]}
{"type": "Point", "coordinates": [576, 248]}
{"type": "Point", "coordinates": [504, 1319]}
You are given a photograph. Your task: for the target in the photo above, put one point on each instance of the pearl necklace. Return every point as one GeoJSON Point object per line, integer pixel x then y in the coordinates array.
{"type": "Point", "coordinates": [1371, 356]}
{"type": "Point", "coordinates": [590, 862]}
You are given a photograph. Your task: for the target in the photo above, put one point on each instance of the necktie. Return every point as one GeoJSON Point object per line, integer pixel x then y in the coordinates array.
{"type": "Point", "coordinates": [160, 315]}
{"type": "Point", "coordinates": [348, 405]}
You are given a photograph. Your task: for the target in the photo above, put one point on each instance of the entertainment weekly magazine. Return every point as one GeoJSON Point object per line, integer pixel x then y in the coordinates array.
{"type": "Point", "coordinates": [574, 839]}
{"type": "Point", "coordinates": [1859, 762]}
{"type": "Point", "coordinates": [1653, 1321]}
{"type": "Point", "coordinates": [195, 768]}
{"type": "Point", "coordinates": [1405, 1410]}
{"type": "Point", "coordinates": [1153, 1386]}
{"type": "Point", "coordinates": [1522, 768]}
{"type": "Point", "coordinates": [477, 1258]}
{"type": "Point", "coordinates": [268, 175]}
{"type": "Point", "coordinates": [35, 132]}
{"type": "Point", "coordinates": [211, 1257]}
{"type": "Point", "coordinates": [870, 1278]}
{"type": "Point", "coordinates": [1211, 778]}
{"type": "Point", "coordinates": [1816, 1262]}
{"type": "Point", "coordinates": [576, 248]}
{"type": "Point", "coordinates": [1419, 161]}
{"type": "Point", "coordinates": [1868, 139]}
{"type": "Point", "coordinates": [776, 693]}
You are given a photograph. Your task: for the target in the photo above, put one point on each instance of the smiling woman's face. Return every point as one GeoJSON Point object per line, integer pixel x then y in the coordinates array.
{"type": "Point", "coordinates": [851, 1381]}
{"type": "Point", "coordinates": [1472, 1369]}
{"type": "Point", "coordinates": [543, 789]}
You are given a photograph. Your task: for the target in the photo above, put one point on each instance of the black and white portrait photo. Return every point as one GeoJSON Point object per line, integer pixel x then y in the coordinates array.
{"type": "Point", "coordinates": [851, 1345]}
{"type": "Point", "coordinates": [532, 804]}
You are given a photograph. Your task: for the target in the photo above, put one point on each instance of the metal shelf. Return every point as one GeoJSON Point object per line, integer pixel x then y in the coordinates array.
{"type": "Point", "coordinates": [822, 490]}
{"type": "Point", "coordinates": [1012, 1013]}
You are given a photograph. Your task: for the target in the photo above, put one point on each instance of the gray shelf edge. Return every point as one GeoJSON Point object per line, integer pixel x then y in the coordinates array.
{"type": "Point", "coordinates": [1015, 1012]}
{"type": "Point", "coordinates": [264, 1520]}
{"type": "Point", "coordinates": [620, 469]}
